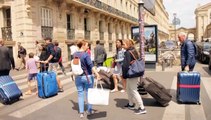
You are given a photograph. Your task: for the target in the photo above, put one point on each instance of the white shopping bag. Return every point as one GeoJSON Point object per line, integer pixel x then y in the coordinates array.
{"type": "Point", "coordinates": [98, 96]}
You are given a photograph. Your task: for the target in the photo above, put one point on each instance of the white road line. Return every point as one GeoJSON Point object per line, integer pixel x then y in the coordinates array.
{"type": "Point", "coordinates": [23, 80]}
{"type": "Point", "coordinates": [63, 82]}
{"type": "Point", "coordinates": [38, 105]}
{"type": "Point", "coordinates": [174, 111]}
{"type": "Point", "coordinates": [206, 82]}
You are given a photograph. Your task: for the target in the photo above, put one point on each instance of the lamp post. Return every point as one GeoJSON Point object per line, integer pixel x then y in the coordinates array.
{"type": "Point", "coordinates": [175, 22]}
{"type": "Point", "coordinates": [141, 27]}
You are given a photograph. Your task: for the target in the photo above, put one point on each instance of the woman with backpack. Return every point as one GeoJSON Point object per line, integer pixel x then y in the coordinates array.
{"type": "Point", "coordinates": [86, 80]}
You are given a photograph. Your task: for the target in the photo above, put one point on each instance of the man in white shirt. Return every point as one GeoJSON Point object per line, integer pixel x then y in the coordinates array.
{"type": "Point", "coordinates": [73, 49]}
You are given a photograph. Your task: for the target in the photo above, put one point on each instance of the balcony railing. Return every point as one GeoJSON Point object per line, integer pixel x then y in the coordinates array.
{"type": "Point", "coordinates": [71, 34]}
{"type": "Point", "coordinates": [47, 31]}
{"type": "Point", "coordinates": [101, 35]}
{"type": "Point", "coordinates": [6, 33]}
{"type": "Point", "coordinates": [87, 35]}
{"type": "Point", "coordinates": [109, 36]}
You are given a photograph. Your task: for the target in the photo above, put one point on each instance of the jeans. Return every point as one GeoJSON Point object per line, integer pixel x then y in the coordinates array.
{"type": "Point", "coordinates": [82, 86]}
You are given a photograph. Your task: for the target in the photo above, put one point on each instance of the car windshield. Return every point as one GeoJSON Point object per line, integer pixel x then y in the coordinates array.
{"type": "Point", "coordinates": [207, 45]}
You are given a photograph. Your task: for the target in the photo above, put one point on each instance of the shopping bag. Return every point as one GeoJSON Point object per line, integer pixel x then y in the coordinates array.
{"type": "Point", "coordinates": [98, 96]}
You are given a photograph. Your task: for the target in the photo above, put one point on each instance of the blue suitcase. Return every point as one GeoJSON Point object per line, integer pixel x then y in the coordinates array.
{"type": "Point", "coordinates": [188, 87]}
{"type": "Point", "coordinates": [9, 91]}
{"type": "Point", "coordinates": [47, 84]}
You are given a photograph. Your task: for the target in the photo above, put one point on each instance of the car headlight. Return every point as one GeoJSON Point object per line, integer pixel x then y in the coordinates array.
{"type": "Point", "coordinates": [206, 53]}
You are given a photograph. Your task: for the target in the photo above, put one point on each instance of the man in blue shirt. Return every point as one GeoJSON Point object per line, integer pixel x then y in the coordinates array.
{"type": "Point", "coordinates": [188, 52]}
{"type": "Point", "coordinates": [53, 63]}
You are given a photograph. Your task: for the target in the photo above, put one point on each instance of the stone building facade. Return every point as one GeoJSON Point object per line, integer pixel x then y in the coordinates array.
{"type": "Point", "coordinates": [67, 21]}
{"type": "Point", "coordinates": [203, 22]}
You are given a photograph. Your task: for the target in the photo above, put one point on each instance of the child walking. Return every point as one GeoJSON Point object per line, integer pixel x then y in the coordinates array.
{"type": "Point", "coordinates": [32, 72]}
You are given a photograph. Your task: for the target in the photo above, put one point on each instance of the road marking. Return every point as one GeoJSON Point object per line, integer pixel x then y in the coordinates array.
{"type": "Point", "coordinates": [43, 103]}
{"type": "Point", "coordinates": [23, 80]}
{"type": "Point", "coordinates": [174, 111]}
{"type": "Point", "coordinates": [22, 87]}
{"type": "Point", "coordinates": [206, 82]}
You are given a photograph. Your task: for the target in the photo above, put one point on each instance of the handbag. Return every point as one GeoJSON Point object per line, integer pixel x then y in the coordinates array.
{"type": "Point", "coordinates": [136, 68]}
{"type": "Point", "coordinates": [98, 96]}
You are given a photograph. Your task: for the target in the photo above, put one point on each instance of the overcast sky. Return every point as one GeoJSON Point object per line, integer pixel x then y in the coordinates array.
{"type": "Point", "coordinates": [184, 9]}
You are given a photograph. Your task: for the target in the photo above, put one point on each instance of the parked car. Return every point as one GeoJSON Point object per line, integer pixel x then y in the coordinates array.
{"type": "Point", "coordinates": [203, 51]}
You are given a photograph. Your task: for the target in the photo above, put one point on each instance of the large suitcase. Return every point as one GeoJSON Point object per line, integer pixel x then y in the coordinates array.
{"type": "Point", "coordinates": [156, 90]}
{"type": "Point", "coordinates": [47, 84]}
{"type": "Point", "coordinates": [9, 91]}
{"type": "Point", "coordinates": [188, 87]}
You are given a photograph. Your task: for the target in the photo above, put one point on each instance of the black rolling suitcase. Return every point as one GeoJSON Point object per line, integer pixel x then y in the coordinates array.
{"type": "Point", "coordinates": [107, 78]}
{"type": "Point", "coordinates": [188, 87]}
{"type": "Point", "coordinates": [156, 90]}
{"type": "Point", "coordinates": [9, 91]}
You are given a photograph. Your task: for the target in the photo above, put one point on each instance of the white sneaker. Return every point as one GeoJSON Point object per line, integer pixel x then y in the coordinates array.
{"type": "Point", "coordinates": [122, 91]}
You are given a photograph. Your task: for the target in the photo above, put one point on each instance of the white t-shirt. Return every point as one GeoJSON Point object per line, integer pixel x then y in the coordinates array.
{"type": "Point", "coordinates": [73, 49]}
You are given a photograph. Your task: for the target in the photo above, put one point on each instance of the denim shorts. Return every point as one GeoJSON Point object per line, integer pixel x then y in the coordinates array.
{"type": "Point", "coordinates": [32, 76]}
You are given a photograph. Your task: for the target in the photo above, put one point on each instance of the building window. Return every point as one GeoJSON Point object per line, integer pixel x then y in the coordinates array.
{"type": "Point", "coordinates": [101, 33]}
{"type": "Point", "coordinates": [110, 47]}
{"type": "Point", "coordinates": [70, 28]}
{"type": "Point", "coordinates": [86, 30]}
{"type": "Point", "coordinates": [6, 30]}
{"type": "Point", "coordinates": [46, 23]}
{"type": "Point", "coordinates": [109, 31]}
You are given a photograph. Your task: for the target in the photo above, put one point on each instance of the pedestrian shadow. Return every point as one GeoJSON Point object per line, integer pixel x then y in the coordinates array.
{"type": "Point", "coordinates": [75, 105]}
{"type": "Point", "coordinates": [207, 70]}
{"type": "Point", "coordinates": [121, 102]}
{"type": "Point", "coordinates": [97, 115]}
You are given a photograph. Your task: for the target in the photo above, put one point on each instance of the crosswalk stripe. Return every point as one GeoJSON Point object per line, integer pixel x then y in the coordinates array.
{"type": "Point", "coordinates": [174, 111]}
{"type": "Point", "coordinates": [22, 87]}
{"type": "Point", "coordinates": [38, 105]}
{"type": "Point", "coordinates": [23, 80]}
{"type": "Point", "coordinates": [25, 86]}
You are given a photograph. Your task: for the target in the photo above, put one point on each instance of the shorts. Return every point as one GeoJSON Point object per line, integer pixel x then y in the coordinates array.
{"type": "Point", "coordinates": [117, 70]}
{"type": "Point", "coordinates": [32, 76]}
{"type": "Point", "coordinates": [53, 67]}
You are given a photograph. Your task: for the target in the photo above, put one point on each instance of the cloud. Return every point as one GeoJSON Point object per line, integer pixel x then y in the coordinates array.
{"type": "Point", "coordinates": [184, 9]}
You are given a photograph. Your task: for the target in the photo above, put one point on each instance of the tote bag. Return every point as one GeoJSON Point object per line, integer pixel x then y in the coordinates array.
{"type": "Point", "coordinates": [136, 68]}
{"type": "Point", "coordinates": [98, 96]}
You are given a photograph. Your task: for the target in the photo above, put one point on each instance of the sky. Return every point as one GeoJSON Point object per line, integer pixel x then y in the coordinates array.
{"type": "Point", "coordinates": [184, 9]}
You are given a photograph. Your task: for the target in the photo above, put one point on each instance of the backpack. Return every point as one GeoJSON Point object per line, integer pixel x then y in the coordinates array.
{"type": "Point", "coordinates": [195, 49]}
{"type": "Point", "coordinates": [57, 54]}
{"type": "Point", "coordinates": [76, 65]}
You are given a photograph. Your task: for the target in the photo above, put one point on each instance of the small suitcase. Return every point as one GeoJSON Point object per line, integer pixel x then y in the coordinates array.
{"type": "Point", "coordinates": [188, 87]}
{"type": "Point", "coordinates": [9, 91]}
{"type": "Point", "coordinates": [47, 84]}
{"type": "Point", "coordinates": [156, 90]}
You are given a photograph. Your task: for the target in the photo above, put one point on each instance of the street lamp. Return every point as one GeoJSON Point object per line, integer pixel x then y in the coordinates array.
{"type": "Point", "coordinates": [175, 22]}
{"type": "Point", "coordinates": [141, 27]}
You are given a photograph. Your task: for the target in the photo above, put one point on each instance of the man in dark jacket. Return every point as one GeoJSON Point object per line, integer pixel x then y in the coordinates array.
{"type": "Point", "coordinates": [188, 52]}
{"type": "Point", "coordinates": [53, 60]}
{"type": "Point", "coordinates": [99, 54]}
{"type": "Point", "coordinates": [6, 60]}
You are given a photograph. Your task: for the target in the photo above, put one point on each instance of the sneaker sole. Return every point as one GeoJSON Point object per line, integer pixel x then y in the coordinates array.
{"type": "Point", "coordinates": [131, 108]}
{"type": "Point", "coordinates": [141, 113]}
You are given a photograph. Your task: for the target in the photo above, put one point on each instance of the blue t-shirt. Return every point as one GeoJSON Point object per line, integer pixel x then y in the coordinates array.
{"type": "Point", "coordinates": [86, 62]}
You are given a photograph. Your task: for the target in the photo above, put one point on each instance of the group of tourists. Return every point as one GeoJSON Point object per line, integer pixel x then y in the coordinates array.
{"type": "Point", "coordinates": [48, 56]}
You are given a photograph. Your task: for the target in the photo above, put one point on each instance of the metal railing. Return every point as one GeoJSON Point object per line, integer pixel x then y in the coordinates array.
{"type": "Point", "coordinates": [87, 35]}
{"type": "Point", "coordinates": [47, 31]}
{"type": "Point", "coordinates": [6, 33]}
{"type": "Point", "coordinates": [101, 35]}
{"type": "Point", "coordinates": [71, 34]}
